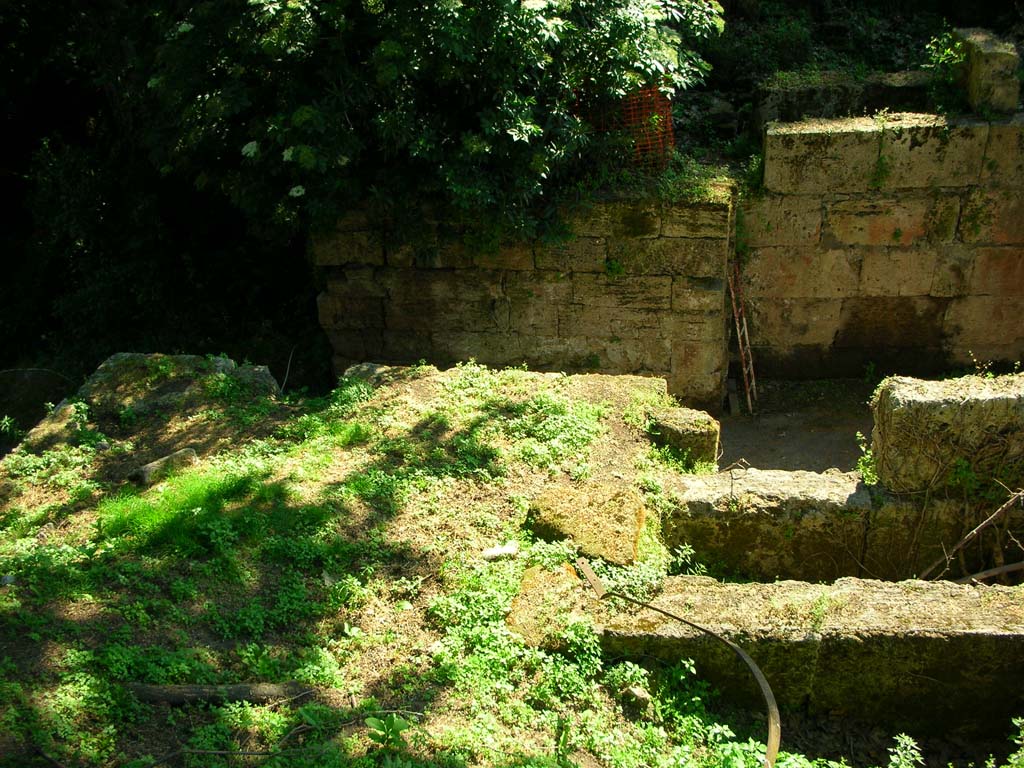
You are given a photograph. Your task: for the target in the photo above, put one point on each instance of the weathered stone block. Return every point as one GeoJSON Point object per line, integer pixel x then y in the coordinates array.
{"type": "Point", "coordinates": [582, 254]}
{"type": "Point", "coordinates": [158, 470]}
{"type": "Point", "coordinates": [892, 221]}
{"type": "Point", "coordinates": [670, 256]}
{"type": "Point", "coordinates": [893, 322]}
{"type": "Point", "coordinates": [770, 524]}
{"type": "Point", "coordinates": [954, 265]}
{"type": "Point", "coordinates": [695, 326]}
{"type": "Point", "coordinates": [708, 220]}
{"type": "Point", "coordinates": [625, 291]}
{"type": "Point", "coordinates": [617, 218]}
{"type": "Point", "coordinates": [907, 536]}
{"type": "Point", "coordinates": [488, 348]}
{"type": "Point", "coordinates": [998, 272]}
{"type": "Point", "coordinates": [438, 253]}
{"type": "Point", "coordinates": [356, 283]}
{"type": "Point", "coordinates": [517, 256]}
{"type": "Point", "coordinates": [1004, 155]}
{"type": "Point", "coordinates": [881, 652]}
{"type": "Point", "coordinates": [897, 271]}
{"type": "Point", "coordinates": [925, 429]}
{"type": "Point", "coordinates": [786, 322]}
{"type": "Point", "coordinates": [401, 347]}
{"type": "Point", "coordinates": [697, 375]}
{"type": "Point", "coordinates": [691, 294]}
{"type": "Point", "coordinates": [442, 288]}
{"type": "Point", "coordinates": [609, 322]}
{"type": "Point", "coordinates": [923, 151]}
{"type": "Point", "coordinates": [779, 220]}
{"type": "Point", "coordinates": [993, 216]}
{"type": "Point", "coordinates": [549, 601]}
{"type": "Point", "coordinates": [645, 354]}
{"type": "Point", "coordinates": [340, 248]}
{"type": "Point", "coordinates": [992, 64]}
{"type": "Point", "coordinates": [985, 320]}
{"type": "Point", "coordinates": [815, 156]}
{"type": "Point", "coordinates": [603, 519]}
{"type": "Point", "coordinates": [338, 312]}
{"type": "Point", "coordinates": [693, 433]}
{"type": "Point", "coordinates": [356, 345]}
{"type": "Point", "coordinates": [801, 272]}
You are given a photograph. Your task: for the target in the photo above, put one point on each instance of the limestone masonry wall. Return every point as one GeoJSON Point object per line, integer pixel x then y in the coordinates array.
{"type": "Point", "coordinates": [896, 240]}
{"type": "Point", "coordinates": [640, 289]}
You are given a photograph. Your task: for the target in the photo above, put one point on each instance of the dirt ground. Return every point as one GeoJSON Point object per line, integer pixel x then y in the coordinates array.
{"type": "Point", "coordinates": [809, 425]}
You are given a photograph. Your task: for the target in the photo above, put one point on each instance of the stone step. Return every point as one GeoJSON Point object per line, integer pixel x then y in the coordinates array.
{"type": "Point", "coordinates": [929, 657]}
{"type": "Point", "coordinates": [764, 525]}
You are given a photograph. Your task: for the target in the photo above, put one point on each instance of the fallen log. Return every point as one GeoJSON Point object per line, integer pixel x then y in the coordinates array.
{"type": "Point", "coordinates": [254, 693]}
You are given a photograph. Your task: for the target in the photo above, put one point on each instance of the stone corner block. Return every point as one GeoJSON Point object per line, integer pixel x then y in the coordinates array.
{"type": "Point", "coordinates": [692, 432]}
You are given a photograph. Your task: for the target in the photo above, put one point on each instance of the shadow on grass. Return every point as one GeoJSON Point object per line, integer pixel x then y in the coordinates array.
{"type": "Point", "coordinates": [217, 577]}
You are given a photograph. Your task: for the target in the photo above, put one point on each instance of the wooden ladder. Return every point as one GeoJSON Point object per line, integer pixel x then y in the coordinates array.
{"type": "Point", "coordinates": [739, 315]}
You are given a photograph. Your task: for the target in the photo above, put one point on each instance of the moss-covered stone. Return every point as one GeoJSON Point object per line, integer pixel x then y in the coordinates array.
{"type": "Point", "coordinates": [547, 603]}
{"type": "Point", "coordinates": [691, 432]}
{"type": "Point", "coordinates": [603, 519]}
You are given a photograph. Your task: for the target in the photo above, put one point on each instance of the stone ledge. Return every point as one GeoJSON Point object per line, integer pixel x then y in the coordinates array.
{"type": "Point", "coordinates": [882, 652]}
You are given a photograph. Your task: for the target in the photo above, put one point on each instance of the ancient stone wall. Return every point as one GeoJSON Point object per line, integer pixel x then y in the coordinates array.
{"type": "Point", "coordinates": [895, 241]}
{"type": "Point", "coordinates": [639, 289]}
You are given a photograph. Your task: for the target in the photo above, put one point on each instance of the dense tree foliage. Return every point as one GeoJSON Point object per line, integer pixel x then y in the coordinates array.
{"type": "Point", "coordinates": [174, 155]}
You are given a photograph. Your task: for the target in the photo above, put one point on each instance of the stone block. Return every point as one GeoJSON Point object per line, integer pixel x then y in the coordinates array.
{"type": "Point", "coordinates": [644, 354]}
{"type": "Point", "coordinates": [535, 300]}
{"type": "Point", "coordinates": [779, 220]}
{"type": "Point", "coordinates": [696, 326]}
{"type": "Point", "coordinates": [402, 347]}
{"type": "Point", "coordinates": [701, 220]}
{"type": "Point", "coordinates": [431, 254]}
{"type": "Point", "coordinates": [925, 151]}
{"type": "Point", "coordinates": [770, 524]}
{"type": "Point", "coordinates": [697, 374]}
{"type": "Point", "coordinates": [1004, 155]}
{"type": "Point", "coordinates": [693, 433]}
{"type": "Point", "coordinates": [357, 283]}
{"type": "Point", "coordinates": [442, 288]}
{"type": "Point", "coordinates": [341, 313]}
{"type": "Point", "coordinates": [548, 602]}
{"type": "Point", "coordinates": [155, 471]}
{"type": "Point", "coordinates": [985, 320]}
{"type": "Point", "coordinates": [893, 221]}
{"type": "Point", "coordinates": [670, 256]}
{"type": "Point", "coordinates": [815, 156]}
{"type": "Point", "coordinates": [603, 519]}
{"type": "Point", "coordinates": [608, 322]}
{"type": "Point", "coordinates": [897, 271]}
{"type": "Point", "coordinates": [623, 291]}
{"type": "Point", "coordinates": [992, 64]}
{"type": "Point", "coordinates": [356, 345]}
{"type": "Point", "coordinates": [908, 535]}
{"type": "Point", "coordinates": [886, 653]}
{"type": "Point", "coordinates": [515, 256]}
{"type": "Point", "coordinates": [891, 322]}
{"type": "Point", "coordinates": [789, 322]}
{"type": "Point", "coordinates": [429, 314]}
{"type": "Point", "coordinates": [925, 430]}
{"type": "Point", "coordinates": [487, 348]}
{"type": "Point", "coordinates": [998, 272]}
{"type": "Point", "coordinates": [993, 216]}
{"type": "Point", "coordinates": [698, 294]}
{"type": "Point", "coordinates": [582, 254]}
{"type": "Point", "coordinates": [339, 248]}
{"type": "Point", "coordinates": [954, 265]}
{"type": "Point", "coordinates": [801, 272]}
{"type": "Point", "coordinates": [617, 218]}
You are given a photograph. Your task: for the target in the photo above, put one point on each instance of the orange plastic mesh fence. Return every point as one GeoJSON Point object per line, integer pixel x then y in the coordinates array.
{"type": "Point", "coordinates": [647, 114]}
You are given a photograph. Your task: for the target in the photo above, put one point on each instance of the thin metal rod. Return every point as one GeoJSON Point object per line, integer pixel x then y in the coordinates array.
{"type": "Point", "coordinates": [774, 719]}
